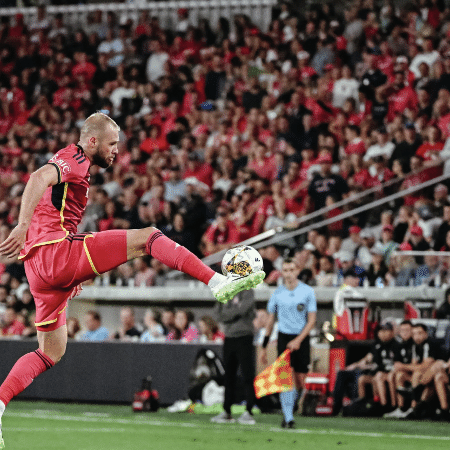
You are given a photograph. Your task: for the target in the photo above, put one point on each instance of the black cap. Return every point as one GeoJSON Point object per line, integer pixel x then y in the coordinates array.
{"type": "Point", "coordinates": [387, 326]}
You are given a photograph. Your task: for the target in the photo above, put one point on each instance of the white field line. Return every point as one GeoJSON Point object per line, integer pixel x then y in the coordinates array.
{"type": "Point", "coordinates": [52, 415]}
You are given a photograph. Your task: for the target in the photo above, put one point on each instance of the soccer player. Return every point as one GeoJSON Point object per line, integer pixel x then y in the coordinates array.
{"type": "Point", "coordinates": [57, 259]}
{"type": "Point", "coordinates": [295, 304]}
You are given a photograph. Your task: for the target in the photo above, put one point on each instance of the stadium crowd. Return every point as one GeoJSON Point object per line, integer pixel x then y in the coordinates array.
{"type": "Point", "coordinates": [228, 130]}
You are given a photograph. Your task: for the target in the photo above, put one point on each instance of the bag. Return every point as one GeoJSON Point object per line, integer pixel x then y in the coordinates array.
{"type": "Point", "coordinates": [363, 408]}
{"type": "Point", "coordinates": [146, 399]}
{"type": "Point", "coordinates": [207, 367]}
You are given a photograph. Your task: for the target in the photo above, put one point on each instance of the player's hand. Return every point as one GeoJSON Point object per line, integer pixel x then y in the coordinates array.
{"type": "Point", "coordinates": [294, 344]}
{"type": "Point", "coordinates": [263, 356]}
{"type": "Point", "coordinates": [15, 242]}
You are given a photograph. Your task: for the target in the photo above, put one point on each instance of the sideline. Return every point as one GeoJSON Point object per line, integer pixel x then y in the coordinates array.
{"type": "Point", "coordinates": [54, 415]}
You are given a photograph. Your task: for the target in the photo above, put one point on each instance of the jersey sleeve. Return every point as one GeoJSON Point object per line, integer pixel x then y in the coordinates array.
{"type": "Point", "coordinates": [272, 304]}
{"type": "Point", "coordinates": [312, 303]}
{"type": "Point", "coordinates": [71, 164]}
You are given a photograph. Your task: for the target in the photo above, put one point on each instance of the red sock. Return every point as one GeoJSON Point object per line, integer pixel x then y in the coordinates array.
{"type": "Point", "coordinates": [177, 257]}
{"type": "Point", "coordinates": [26, 369]}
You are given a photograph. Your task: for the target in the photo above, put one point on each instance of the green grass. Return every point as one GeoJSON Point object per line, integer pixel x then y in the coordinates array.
{"type": "Point", "coordinates": [62, 426]}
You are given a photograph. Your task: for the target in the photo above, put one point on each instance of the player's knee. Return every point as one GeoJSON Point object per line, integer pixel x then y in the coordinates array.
{"type": "Point", "coordinates": [441, 377]}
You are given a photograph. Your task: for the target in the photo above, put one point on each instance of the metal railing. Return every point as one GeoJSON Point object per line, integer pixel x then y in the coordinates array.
{"type": "Point", "coordinates": [278, 234]}
{"type": "Point", "coordinates": [260, 11]}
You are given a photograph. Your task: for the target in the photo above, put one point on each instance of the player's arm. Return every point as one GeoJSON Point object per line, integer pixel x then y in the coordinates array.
{"type": "Point", "coordinates": [310, 324]}
{"type": "Point", "coordinates": [362, 363]}
{"type": "Point", "coordinates": [39, 181]}
{"type": "Point", "coordinates": [269, 328]}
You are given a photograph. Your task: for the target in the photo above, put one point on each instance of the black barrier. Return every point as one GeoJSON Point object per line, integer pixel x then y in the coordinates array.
{"type": "Point", "coordinates": [108, 371]}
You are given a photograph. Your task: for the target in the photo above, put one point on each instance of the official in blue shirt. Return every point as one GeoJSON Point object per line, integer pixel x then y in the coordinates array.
{"type": "Point", "coordinates": [95, 332]}
{"type": "Point", "coordinates": [295, 305]}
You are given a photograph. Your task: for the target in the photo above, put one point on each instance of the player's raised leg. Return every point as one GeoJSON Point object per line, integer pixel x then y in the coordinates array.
{"type": "Point", "coordinates": [152, 242]}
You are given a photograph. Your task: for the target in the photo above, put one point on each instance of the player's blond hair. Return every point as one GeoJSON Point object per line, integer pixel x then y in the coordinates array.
{"type": "Point", "coordinates": [95, 125]}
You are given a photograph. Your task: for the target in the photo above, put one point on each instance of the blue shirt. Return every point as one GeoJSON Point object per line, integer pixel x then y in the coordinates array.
{"type": "Point", "coordinates": [100, 334]}
{"type": "Point", "coordinates": [292, 307]}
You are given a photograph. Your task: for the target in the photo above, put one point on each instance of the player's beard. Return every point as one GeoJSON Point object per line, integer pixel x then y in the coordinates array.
{"type": "Point", "coordinates": [100, 161]}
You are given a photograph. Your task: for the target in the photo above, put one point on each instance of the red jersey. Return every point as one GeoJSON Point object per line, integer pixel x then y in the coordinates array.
{"type": "Point", "coordinates": [14, 329]}
{"type": "Point", "coordinates": [60, 209]}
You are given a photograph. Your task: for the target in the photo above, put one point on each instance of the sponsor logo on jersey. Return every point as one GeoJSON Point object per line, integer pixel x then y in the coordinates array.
{"type": "Point", "coordinates": [63, 165]}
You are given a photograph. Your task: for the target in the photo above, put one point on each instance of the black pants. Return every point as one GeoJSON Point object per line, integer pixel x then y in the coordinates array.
{"type": "Point", "coordinates": [239, 352]}
{"type": "Point", "coordinates": [346, 385]}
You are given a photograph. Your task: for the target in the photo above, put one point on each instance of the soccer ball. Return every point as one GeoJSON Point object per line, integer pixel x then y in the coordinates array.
{"type": "Point", "coordinates": [242, 261]}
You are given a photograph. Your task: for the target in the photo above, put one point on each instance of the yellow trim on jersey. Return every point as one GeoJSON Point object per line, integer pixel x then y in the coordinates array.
{"type": "Point", "coordinates": [63, 205]}
{"type": "Point", "coordinates": [48, 322]}
{"type": "Point", "coordinates": [61, 213]}
{"type": "Point", "coordinates": [88, 254]}
{"type": "Point", "coordinates": [45, 243]}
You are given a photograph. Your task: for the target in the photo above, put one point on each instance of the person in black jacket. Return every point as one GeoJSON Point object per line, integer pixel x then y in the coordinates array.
{"type": "Point", "coordinates": [443, 312]}
{"type": "Point", "coordinates": [397, 376]}
{"type": "Point", "coordinates": [326, 183]}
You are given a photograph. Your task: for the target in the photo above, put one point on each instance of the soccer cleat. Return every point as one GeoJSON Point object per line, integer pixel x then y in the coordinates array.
{"type": "Point", "coordinates": [290, 424]}
{"type": "Point", "coordinates": [246, 419]}
{"type": "Point", "coordinates": [233, 284]}
{"type": "Point", "coordinates": [223, 417]}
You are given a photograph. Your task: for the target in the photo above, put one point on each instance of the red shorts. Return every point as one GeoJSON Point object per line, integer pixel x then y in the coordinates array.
{"type": "Point", "coordinates": [55, 271]}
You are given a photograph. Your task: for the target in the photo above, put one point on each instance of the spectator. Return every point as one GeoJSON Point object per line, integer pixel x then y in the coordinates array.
{"type": "Point", "coordinates": [443, 312]}
{"type": "Point", "coordinates": [376, 274]}
{"type": "Point", "coordinates": [10, 326]}
{"type": "Point", "coordinates": [326, 183]}
{"type": "Point", "coordinates": [157, 62]}
{"type": "Point", "coordinates": [408, 147]}
{"type": "Point", "coordinates": [326, 276]}
{"type": "Point", "coordinates": [403, 266]}
{"type": "Point", "coordinates": [95, 331]}
{"type": "Point", "coordinates": [183, 330]}
{"type": "Point", "coordinates": [168, 320]}
{"type": "Point", "coordinates": [175, 186]}
{"type": "Point", "coordinates": [73, 327]}
{"type": "Point", "coordinates": [344, 88]}
{"type": "Point", "coordinates": [154, 331]}
{"type": "Point", "coordinates": [347, 262]}
{"type": "Point", "coordinates": [129, 330]}
{"type": "Point", "coordinates": [221, 234]}
{"type": "Point", "coordinates": [209, 330]}
{"type": "Point", "coordinates": [417, 242]}
{"type": "Point", "coordinates": [384, 147]}
{"type": "Point", "coordinates": [388, 243]}
{"type": "Point", "coordinates": [352, 243]}
{"type": "Point", "coordinates": [428, 55]}
{"type": "Point", "coordinates": [145, 275]}
{"type": "Point", "coordinates": [444, 228]}
{"type": "Point", "coordinates": [215, 79]}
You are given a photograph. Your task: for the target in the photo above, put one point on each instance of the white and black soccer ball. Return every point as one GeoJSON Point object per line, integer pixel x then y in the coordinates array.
{"type": "Point", "coordinates": [242, 261]}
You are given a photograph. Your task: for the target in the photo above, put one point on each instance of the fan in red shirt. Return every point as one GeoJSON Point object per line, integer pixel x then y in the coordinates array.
{"type": "Point", "coordinates": [401, 96]}
{"type": "Point", "coordinates": [354, 143]}
{"type": "Point", "coordinates": [198, 169]}
{"type": "Point", "coordinates": [57, 259]}
{"type": "Point", "coordinates": [154, 141]}
{"type": "Point", "coordinates": [263, 165]}
{"type": "Point", "coordinates": [429, 150]}
{"type": "Point", "coordinates": [10, 325]}
{"type": "Point", "coordinates": [221, 234]}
